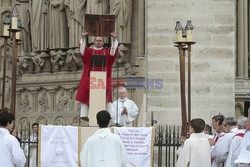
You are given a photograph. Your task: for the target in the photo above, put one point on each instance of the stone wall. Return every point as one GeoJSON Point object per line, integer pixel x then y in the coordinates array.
{"type": "Point", "coordinates": [213, 57]}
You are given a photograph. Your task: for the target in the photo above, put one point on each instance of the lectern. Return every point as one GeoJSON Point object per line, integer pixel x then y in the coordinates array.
{"type": "Point", "coordinates": [97, 87]}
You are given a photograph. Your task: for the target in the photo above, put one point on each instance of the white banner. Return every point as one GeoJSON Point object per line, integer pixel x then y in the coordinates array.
{"type": "Point", "coordinates": [137, 142]}
{"type": "Point", "coordinates": [59, 146]}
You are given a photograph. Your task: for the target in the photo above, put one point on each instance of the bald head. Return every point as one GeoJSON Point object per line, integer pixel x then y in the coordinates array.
{"type": "Point", "coordinates": [122, 91]}
{"type": "Point", "coordinates": [99, 42]}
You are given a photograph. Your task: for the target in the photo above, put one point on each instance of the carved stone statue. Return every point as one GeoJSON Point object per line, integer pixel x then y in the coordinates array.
{"type": "Point", "coordinates": [75, 10]}
{"type": "Point", "coordinates": [47, 63]}
{"type": "Point", "coordinates": [39, 25]}
{"type": "Point", "coordinates": [39, 63]}
{"type": "Point", "coordinates": [23, 9]}
{"type": "Point", "coordinates": [44, 102]}
{"type": "Point", "coordinates": [62, 103]}
{"type": "Point", "coordinates": [22, 63]}
{"type": "Point", "coordinates": [56, 60]}
{"type": "Point", "coordinates": [7, 90]}
{"type": "Point", "coordinates": [122, 9]}
{"type": "Point", "coordinates": [73, 59]}
{"type": "Point", "coordinates": [58, 25]}
{"type": "Point", "coordinates": [97, 7]}
{"type": "Point", "coordinates": [25, 104]}
{"type": "Point", "coordinates": [123, 54]}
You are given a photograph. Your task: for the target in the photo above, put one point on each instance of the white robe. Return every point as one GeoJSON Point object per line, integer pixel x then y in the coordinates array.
{"type": "Point", "coordinates": [32, 151]}
{"type": "Point", "coordinates": [103, 149]}
{"type": "Point", "coordinates": [11, 154]}
{"type": "Point", "coordinates": [243, 159]}
{"type": "Point", "coordinates": [221, 149]}
{"type": "Point", "coordinates": [124, 119]}
{"type": "Point", "coordinates": [195, 152]}
{"type": "Point", "coordinates": [217, 135]}
{"type": "Point", "coordinates": [234, 150]}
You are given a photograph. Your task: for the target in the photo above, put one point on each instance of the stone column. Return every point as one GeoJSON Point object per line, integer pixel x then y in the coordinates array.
{"type": "Point", "coordinates": [34, 104]}
{"type": "Point", "coordinates": [141, 28]}
{"type": "Point", "coordinates": [53, 104]}
{"type": "Point", "coordinates": [245, 10]}
{"type": "Point", "coordinates": [242, 59]}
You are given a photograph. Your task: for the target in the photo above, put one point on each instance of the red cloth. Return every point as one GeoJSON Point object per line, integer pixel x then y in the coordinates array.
{"type": "Point", "coordinates": [239, 134]}
{"type": "Point", "coordinates": [83, 87]}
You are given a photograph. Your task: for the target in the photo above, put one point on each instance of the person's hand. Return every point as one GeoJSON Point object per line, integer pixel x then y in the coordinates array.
{"type": "Point", "coordinates": [113, 34]}
{"type": "Point", "coordinates": [33, 144]}
{"type": "Point", "coordinates": [84, 33]}
{"type": "Point", "coordinates": [183, 138]}
{"type": "Point", "coordinates": [124, 111]}
{"type": "Point", "coordinates": [211, 142]}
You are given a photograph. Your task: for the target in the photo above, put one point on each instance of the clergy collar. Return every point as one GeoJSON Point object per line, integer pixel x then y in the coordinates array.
{"type": "Point", "coordinates": [125, 99]}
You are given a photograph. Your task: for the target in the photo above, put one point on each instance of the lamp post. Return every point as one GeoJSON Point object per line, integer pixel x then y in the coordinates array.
{"type": "Point", "coordinates": [5, 36]}
{"type": "Point", "coordinates": [14, 29]}
{"type": "Point", "coordinates": [184, 42]}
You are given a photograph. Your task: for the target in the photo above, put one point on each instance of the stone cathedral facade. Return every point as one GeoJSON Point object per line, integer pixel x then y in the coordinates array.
{"type": "Point", "coordinates": [50, 67]}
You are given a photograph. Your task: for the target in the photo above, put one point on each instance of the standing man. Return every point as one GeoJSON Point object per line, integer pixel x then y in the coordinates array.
{"type": "Point", "coordinates": [84, 85]}
{"type": "Point", "coordinates": [234, 149]}
{"type": "Point", "coordinates": [33, 146]}
{"type": "Point", "coordinates": [103, 149]}
{"type": "Point", "coordinates": [217, 123]}
{"type": "Point", "coordinates": [221, 149]}
{"type": "Point", "coordinates": [124, 111]}
{"type": "Point", "coordinates": [11, 154]}
{"type": "Point", "coordinates": [196, 149]}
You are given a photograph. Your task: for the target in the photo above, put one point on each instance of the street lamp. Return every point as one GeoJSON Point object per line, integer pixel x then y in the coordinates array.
{"type": "Point", "coordinates": [14, 29]}
{"type": "Point", "coordinates": [5, 36]}
{"type": "Point", "coordinates": [184, 42]}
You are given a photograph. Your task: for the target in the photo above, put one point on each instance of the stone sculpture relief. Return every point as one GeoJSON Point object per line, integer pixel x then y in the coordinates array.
{"type": "Point", "coordinates": [43, 102]}
{"type": "Point", "coordinates": [39, 63]}
{"type": "Point", "coordinates": [42, 121]}
{"type": "Point", "coordinates": [63, 101]}
{"type": "Point", "coordinates": [58, 25]}
{"type": "Point", "coordinates": [39, 25]}
{"type": "Point", "coordinates": [60, 121]}
{"type": "Point", "coordinates": [22, 63]}
{"type": "Point", "coordinates": [24, 16]}
{"type": "Point", "coordinates": [122, 9]}
{"type": "Point", "coordinates": [25, 103]}
{"type": "Point", "coordinates": [75, 10]}
{"type": "Point", "coordinates": [73, 59]}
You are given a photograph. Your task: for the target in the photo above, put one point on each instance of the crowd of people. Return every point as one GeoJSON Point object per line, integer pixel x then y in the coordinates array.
{"type": "Point", "coordinates": [228, 147]}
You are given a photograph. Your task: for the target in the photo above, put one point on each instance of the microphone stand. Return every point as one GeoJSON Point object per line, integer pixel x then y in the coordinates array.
{"type": "Point", "coordinates": [117, 96]}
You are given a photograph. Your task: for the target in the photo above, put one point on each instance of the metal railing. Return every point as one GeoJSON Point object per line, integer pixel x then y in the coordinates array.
{"type": "Point", "coordinates": [166, 145]}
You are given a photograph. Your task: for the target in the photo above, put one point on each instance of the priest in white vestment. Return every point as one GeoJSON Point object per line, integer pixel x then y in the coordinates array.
{"type": "Point", "coordinates": [234, 149]}
{"type": "Point", "coordinates": [103, 149]}
{"type": "Point", "coordinates": [124, 110]}
{"type": "Point", "coordinates": [243, 159]}
{"type": "Point", "coordinates": [217, 123]}
{"type": "Point", "coordinates": [221, 149]}
{"type": "Point", "coordinates": [11, 154]}
{"type": "Point", "coordinates": [33, 146]}
{"type": "Point", "coordinates": [196, 149]}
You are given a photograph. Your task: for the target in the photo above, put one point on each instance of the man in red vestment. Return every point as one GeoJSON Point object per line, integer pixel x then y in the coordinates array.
{"type": "Point", "coordinates": [84, 85]}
